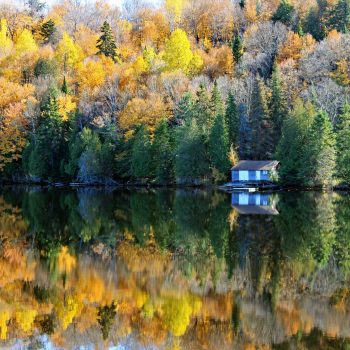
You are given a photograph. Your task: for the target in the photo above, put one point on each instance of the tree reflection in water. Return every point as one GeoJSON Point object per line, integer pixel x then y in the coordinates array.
{"type": "Point", "coordinates": [173, 270]}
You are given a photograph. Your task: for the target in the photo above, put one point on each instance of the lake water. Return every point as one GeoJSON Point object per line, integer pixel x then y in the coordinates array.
{"type": "Point", "coordinates": [166, 269]}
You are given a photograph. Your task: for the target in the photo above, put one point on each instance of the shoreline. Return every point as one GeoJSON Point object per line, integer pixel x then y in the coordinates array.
{"type": "Point", "coordinates": [74, 185]}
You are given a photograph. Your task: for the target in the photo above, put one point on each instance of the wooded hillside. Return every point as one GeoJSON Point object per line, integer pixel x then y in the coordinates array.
{"type": "Point", "coordinates": [176, 93]}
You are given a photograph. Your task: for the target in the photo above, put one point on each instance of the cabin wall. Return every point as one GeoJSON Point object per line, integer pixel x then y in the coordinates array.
{"type": "Point", "coordinates": [253, 175]}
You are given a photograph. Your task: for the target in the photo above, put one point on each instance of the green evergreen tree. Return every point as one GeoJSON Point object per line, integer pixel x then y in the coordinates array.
{"type": "Point", "coordinates": [48, 149]}
{"type": "Point", "coordinates": [294, 140]}
{"type": "Point", "coordinates": [316, 20]}
{"type": "Point", "coordinates": [319, 155]}
{"type": "Point", "coordinates": [232, 120]}
{"type": "Point", "coordinates": [202, 109]}
{"type": "Point", "coordinates": [237, 48]}
{"type": "Point", "coordinates": [141, 157]}
{"type": "Point", "coordinates": [278, 106]}
{"type": "Point", "coordinates": [299, 30]}
{"type": "Point", "coordinates": [262, 127]}
{"type": "Point", "coordinates": [184, 111]}
{"type": "Point", "coordinates": [218, 147]}
{"type": "Point", "coordinates": [284, 13]}
{"type": "Point", "coordinates": [163, 154]}
{"type": "Point", "coordinates": [47, 30]}
{"type": "Point", "coordinates": [106, 43]}
{"type": "Point", "coordinates": [343, 145]}
{"type": "Point", "coordinates": [64, 87]}
{"type": "Point", "coordinates": [340, 16]}
{"type": "Point", "coordinates": [216, 103]}
{"type": "Point", "coordinates": [191, 160]}
{"type": "Point", "coordinates": [105, 318]}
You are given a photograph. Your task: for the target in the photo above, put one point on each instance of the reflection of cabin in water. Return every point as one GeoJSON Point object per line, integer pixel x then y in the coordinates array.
{"type": "Point", "coordinates": [254, 171]}
{"type": "Point", "coordinates": [254, 203]}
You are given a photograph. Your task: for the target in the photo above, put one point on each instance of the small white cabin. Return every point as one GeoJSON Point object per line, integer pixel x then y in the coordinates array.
{"type": "Point", "coordinates": [254, 171]}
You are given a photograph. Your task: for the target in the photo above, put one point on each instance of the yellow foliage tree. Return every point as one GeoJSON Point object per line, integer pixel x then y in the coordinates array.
{"type": "Point", "coordinates": [13, 98]}
{"type": "Point", "coordinates": [5, 41]}
{"type": "Point", "coordinates": [68, 54]}
{"type": "Point", "coordinates": [25, 318]}
{"type": "Point", "coordinates": [342, 73]}
{"type": "Point", "coordinates": [294, 45]}
{"type": "Point", "coordinates": [175, 8]}
{"type": "Point", "coordinates": [66, 262]}
{"type": "Point", "coordinates": [149, 111]}
{"type": "Point", "coordinates": [91, 75]}
{"type": "Point", "coordinates": [86, 39]}
{"type": "Point", "coordinates": [177, 53]}
{"type": "Point", "coordinates": [176, 315]}
{"type": "Point", "coordinates": [4, 318]}
{"type": "Point", "coordinates": [66, 310]}
{"type": "Point", "coordinates": [25, 43]}
{"type": "Point", "coordinates": [66, 105]}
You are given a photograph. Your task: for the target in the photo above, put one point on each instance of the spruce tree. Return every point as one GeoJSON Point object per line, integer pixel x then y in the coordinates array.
{"type": "Point", "coordinates": [106, 43]}
{"type": "Point", "coordinates": [237, 48]}
{"type": "Point", "coordinates": [343, 145]}
{"type": "Point", "coordinates": [47, 30]}
{"type": "Point", "coordinates": [232, 120]}
{"type": "Point", "coordinates": [141, 157]}
{"type": "Point", "coordinates": [202, 110]}
{"type": "Point", "coordinates": [262, 128]}
{"type": "Point", "coordinates": [191, 159]}
{"type": "Point", "coordinates": [340, 16]}
{"type": "Point", "coordinates": [184, 111]}
{"type": "Point", "coordinates": [294, 140]}
{"type": "Point", "coordinates": [284, 13]}
{"type": "Point", "coordinates": [218, 147]}
{"type": "Point", "coordinates": [64, 87]}
{"type": "Point", "coordinates": [319, 154]}
{"type": "Point", "coordinates": [49, 146]}
{"type": "Point", "coordinates": [163, 154]}
{"type": "Point", "coordinates": [216, 103]}
{"type": "Point", "coordinates": [278, 107]}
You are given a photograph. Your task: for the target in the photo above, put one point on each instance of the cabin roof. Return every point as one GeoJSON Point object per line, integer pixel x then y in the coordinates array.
{"type": "Point", "coordinates": [256, 210]}
{"type": "Point", "coordinates": [256, 165]}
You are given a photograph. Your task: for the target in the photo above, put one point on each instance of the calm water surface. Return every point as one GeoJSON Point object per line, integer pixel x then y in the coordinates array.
{"type": "Point", "coordinates": [162, 269]}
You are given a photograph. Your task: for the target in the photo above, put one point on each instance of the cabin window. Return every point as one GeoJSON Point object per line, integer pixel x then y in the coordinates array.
{"type": "Point", "coordinates": [265, 172]}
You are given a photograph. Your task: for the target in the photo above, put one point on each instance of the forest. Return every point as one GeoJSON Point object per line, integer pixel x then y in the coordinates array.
{"type": "Point", "coordinates": [175, 92]}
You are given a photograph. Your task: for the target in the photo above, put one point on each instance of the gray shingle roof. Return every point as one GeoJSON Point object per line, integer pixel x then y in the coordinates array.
{"type": "Point", "coordinates": [256, 165]}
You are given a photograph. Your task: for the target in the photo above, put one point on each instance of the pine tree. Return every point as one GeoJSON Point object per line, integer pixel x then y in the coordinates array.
{"type": "Point", "coordinates": [262, 128]}
{"type": "Point", "coordinates": [47, 30]}
{"type": "Point", "coordinates": [64, 87]}
{"type": "Point", "coordinates": [294, 140]}
{"type": "Point", "coordinates": [343, 145]}
{"type": "Point", "coordinates": [106, 43]}
{"type": "Point", "coordinates": [319, 155]}
{"type": "Point", "coordinates": [237, 48]}
{"type": "Point", "coordinates": [278, 107]}
{"type": "Point", "coordinates": [340, 16]}
{"type": "Point", "coordinates": [163, 154]}
{"type": "Point", "coordinates": [232, 120]}
{"type": "Point", "coordinates": [141, 157]}
{"type": "Point", "coordinates": [191, 159]}
{"type": "Point", "coordinates": [245, 134]}
{"type": "Point", "coordinates": [216, 103]}
{"type": "Point", "coordinates": [284, 13]}
{"type": "Point", "coordinates": [185, 109]}
{"type": "Point", "coordinates": [202, 110]}
{"type": "Point", "coordinates": [218, 147]}
{"type": "Point", "coordinates": [49, 146]}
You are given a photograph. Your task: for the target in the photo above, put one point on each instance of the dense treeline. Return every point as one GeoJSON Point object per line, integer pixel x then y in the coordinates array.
{"type": "Point", "coordinates": [175, 93]}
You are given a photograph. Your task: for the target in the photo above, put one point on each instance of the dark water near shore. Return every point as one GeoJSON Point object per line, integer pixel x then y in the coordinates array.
{"type": "Point", "coordinates": [166, 269]}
